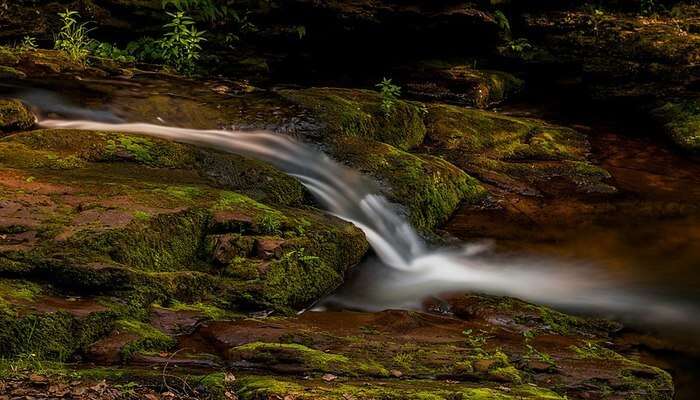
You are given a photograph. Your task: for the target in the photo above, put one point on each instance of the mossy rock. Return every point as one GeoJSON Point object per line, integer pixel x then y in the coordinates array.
{"type": "Point", "coordinates": [681, 122]}
{"type": "Point", "coordinates": [132, 216]}
{"type": "Point", "coordinates": [430, 187]}
{"type": "Point", "coordinates": [287, 357]}
{"type": "Point", "coordinates": [29, 330]}
{"type": "Point", "coordinates": [15, 116]}
{"type": "Point", "coordinates": [252, 387]}
{"type": "Point", "coordinates": [519, 154]}
{"type": "Point", "coordinates": [357, 113]}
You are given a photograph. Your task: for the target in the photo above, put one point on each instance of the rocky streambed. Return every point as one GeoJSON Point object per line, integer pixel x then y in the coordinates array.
{"type": "Point", "coordinates": [133, 267]}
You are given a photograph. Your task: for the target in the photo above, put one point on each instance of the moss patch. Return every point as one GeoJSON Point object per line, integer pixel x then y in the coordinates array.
{"type": "Point", "coordinates": [430, 187]}
{"type": "Point", "coordinates": [14, 115]}
{"type": "Point", "coordinates": [254, 387]}
{"type": "Point", "coordinates": [149, 338]}
{"type": "Point", "coordinates": [357, 113]}
{"type": "Point", "coordinates": [681, 122]}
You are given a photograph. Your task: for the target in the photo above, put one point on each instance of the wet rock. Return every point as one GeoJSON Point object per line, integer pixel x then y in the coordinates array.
{"type": "Point", "coordinates": [521, 155]}
{"type": "Point", "coordinates": [148, 234]}
{"type": "Point", "coordinates": [330, 346]}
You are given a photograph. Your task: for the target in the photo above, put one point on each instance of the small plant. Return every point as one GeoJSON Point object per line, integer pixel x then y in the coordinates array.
{"type": "Point", "coordinates": [390, 94]}
{"type": "Point", "coordinates": [300, 257]}
{"type": "Point", "coordinates": [242, 26]}
{"type": "Point", "coordinates": [73, 36]}
{"type": "Point", "coordinates": [106, 50]}
{"type": "Point", "coordinates": [595, 17]}
{"type": "Point", "coordinates": [301, 31]}
{"type": "Point", "coordinates": [145, 49]}
{"type": "Point", "coordinates": [269, 223]}
{"type": "Point", "coordinates": [28, 44]}
{"type": "Point", "coordinates": [181, 46]}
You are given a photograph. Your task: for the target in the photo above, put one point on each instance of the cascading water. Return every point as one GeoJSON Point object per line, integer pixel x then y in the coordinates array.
{"type": "Point", "coordinates": [406, 271]}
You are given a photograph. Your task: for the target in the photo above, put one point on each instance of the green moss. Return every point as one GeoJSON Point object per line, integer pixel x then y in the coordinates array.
{"type": "Point", "coordinates": [142, 215]}
{"type": "Point", "coordinates": [357, 113]}
{"type": "Point", "coordinates": [147, 151]}
{"type": "Point", "coordinates": [149, 338]}
{"type": "Point", "coordinates": [56, 336]}
{"type": "Point", "coordinates": [7, 56]}
{"type": "Point", "coordinates": [18, 289]}
{"type": "Point", "coordinates": [266, 220]}
{"type": "Point", "coordinates": [642, 381]}
{"type": "Point", "coordinates": [209, 310]}
{"type": "Point", "coordinates": [163, 242]}
{"type": "Point", "coordinates": [507, 374]}
{"type": "Point", "coordinates": [14, 115]}
{"type": "Point", "coordinates": [681, 122]}
{"type": "Point", "coordinates": [186, 193]}
{"type": "Point", "coordinates": [271, 355]}
{"type": "Point", "coordinates": [256, 387]}
{"type": "Point", "coordinates": [430, 187]}
{"type": "Point", "coordinates": [298, 279]}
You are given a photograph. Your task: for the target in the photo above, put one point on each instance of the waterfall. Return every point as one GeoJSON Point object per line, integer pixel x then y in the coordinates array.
{"type": "Point", "coordinates": [406, 270]}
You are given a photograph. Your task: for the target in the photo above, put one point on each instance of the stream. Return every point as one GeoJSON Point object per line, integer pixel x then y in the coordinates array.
{"type": "Point", "coordinates": [631, 256]}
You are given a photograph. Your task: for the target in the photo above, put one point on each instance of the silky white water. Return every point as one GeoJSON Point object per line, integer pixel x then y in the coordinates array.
{"type": "Point", "coordinates": [406, 271]}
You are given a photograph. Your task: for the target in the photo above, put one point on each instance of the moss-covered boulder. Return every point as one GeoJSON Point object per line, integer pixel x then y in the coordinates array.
{"type": "Point", "coordinates": [356, 131]}
{"type": "Point", "coordinates": [106, 213]}
{"type": "Point", "coordinates": [358, 113]}
{"type": "Point", "coordinates": [681, 122]}
{"type": "Point", "coordinates": [521, 155]}
{"type": "Point", "coordinates": [14, 116]}
{"type": "Point", "coordinates": [430, 187]}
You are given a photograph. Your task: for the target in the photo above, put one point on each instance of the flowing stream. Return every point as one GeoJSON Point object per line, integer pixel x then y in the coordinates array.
{"type": "Point", "coordinates": [406, 270]}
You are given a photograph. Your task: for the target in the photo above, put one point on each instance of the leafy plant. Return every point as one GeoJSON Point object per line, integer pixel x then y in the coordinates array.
{"type": "Point", "coordinates": [300, 256]}
{"type": "Point", "coordinates": [181, 45]}
{"type": "Point", "coordinates": [73, 36]}
{"type": "Point", "coordinates": [390, 94]}
{"type": "Point", "coordinates": [145, 49]}
{"type": "Point", "coordinates": [28, 44]}
{"type": "Point", "coordinates": [300, 30]}
{"type": "Point", "coordinates": [106, 50]}
{"type": "Point", "coordinates": [269, 223]}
